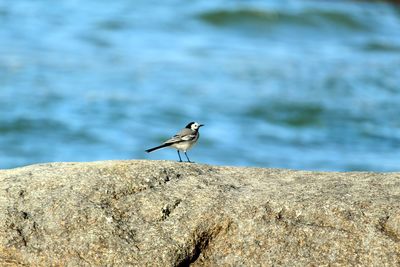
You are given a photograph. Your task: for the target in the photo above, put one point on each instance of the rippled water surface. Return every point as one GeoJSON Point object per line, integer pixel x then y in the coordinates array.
{"type": "Point", "coordinates": [286, 84]}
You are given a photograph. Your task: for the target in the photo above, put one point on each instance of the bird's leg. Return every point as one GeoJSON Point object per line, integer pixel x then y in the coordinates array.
{"type": "Point", "coordinates": [188, 160]}
{"type": "Point", "coordinates": [180, 160]}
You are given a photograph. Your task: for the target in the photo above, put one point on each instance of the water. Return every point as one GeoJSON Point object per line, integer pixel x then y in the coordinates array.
{"type": "Point", "coordinates": [287, 84]}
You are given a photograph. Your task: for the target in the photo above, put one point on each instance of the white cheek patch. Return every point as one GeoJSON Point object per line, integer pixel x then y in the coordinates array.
{"type": "Point", "coordinates": [195, 126]}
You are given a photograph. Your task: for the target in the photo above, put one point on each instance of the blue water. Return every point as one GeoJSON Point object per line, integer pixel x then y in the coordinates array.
{"type": "Point", "coordinates": [287, 84]}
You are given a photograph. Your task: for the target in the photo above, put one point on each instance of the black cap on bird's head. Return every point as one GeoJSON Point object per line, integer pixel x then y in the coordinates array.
{"type": "Point", "coordinates": [189, 125]}
{"type": "Point", "coordinates": [194, 125]}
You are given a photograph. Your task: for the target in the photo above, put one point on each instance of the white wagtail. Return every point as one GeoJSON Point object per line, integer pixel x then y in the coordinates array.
{"type": "Point", "coordinates": [182, 141]}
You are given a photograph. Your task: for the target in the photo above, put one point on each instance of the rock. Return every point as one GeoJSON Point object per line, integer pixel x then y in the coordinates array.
{"type": "Point", "coordinates": [160, 213]}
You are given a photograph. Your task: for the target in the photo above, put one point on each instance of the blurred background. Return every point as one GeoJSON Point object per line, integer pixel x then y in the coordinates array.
{"type": "Point", "coordinates": [286, 84]}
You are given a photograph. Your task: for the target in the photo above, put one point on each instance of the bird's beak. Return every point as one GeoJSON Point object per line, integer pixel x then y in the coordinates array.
{"type": "Point", "coordinates": [201, 125]}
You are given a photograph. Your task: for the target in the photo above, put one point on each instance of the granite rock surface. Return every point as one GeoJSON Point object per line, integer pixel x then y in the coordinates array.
{"type": "Point", "coordinates": [161, 213]}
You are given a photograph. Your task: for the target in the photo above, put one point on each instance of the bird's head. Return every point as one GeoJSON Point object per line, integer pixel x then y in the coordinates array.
{"type": "Point", "coordinates": [194, 126]}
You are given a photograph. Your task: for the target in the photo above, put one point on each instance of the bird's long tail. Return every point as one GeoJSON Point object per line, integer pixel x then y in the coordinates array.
{"type": "Point", "coordinates": [157, 147]}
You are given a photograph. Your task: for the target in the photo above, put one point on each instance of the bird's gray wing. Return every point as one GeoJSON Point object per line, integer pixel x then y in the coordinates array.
{"type": "Point", "coordinates": [184, 135]}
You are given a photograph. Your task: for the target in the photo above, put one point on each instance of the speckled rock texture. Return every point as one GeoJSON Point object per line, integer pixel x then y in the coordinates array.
{"type": "Point", "coordinates": [161, 213]}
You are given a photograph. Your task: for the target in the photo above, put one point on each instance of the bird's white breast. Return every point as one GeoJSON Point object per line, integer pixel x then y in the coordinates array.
{"type": "Point", "coordinates": [183, 146]}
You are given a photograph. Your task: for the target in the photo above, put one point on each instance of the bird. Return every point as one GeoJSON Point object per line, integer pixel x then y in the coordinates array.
{"type": "Point", "coordinates": [184, 140]}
